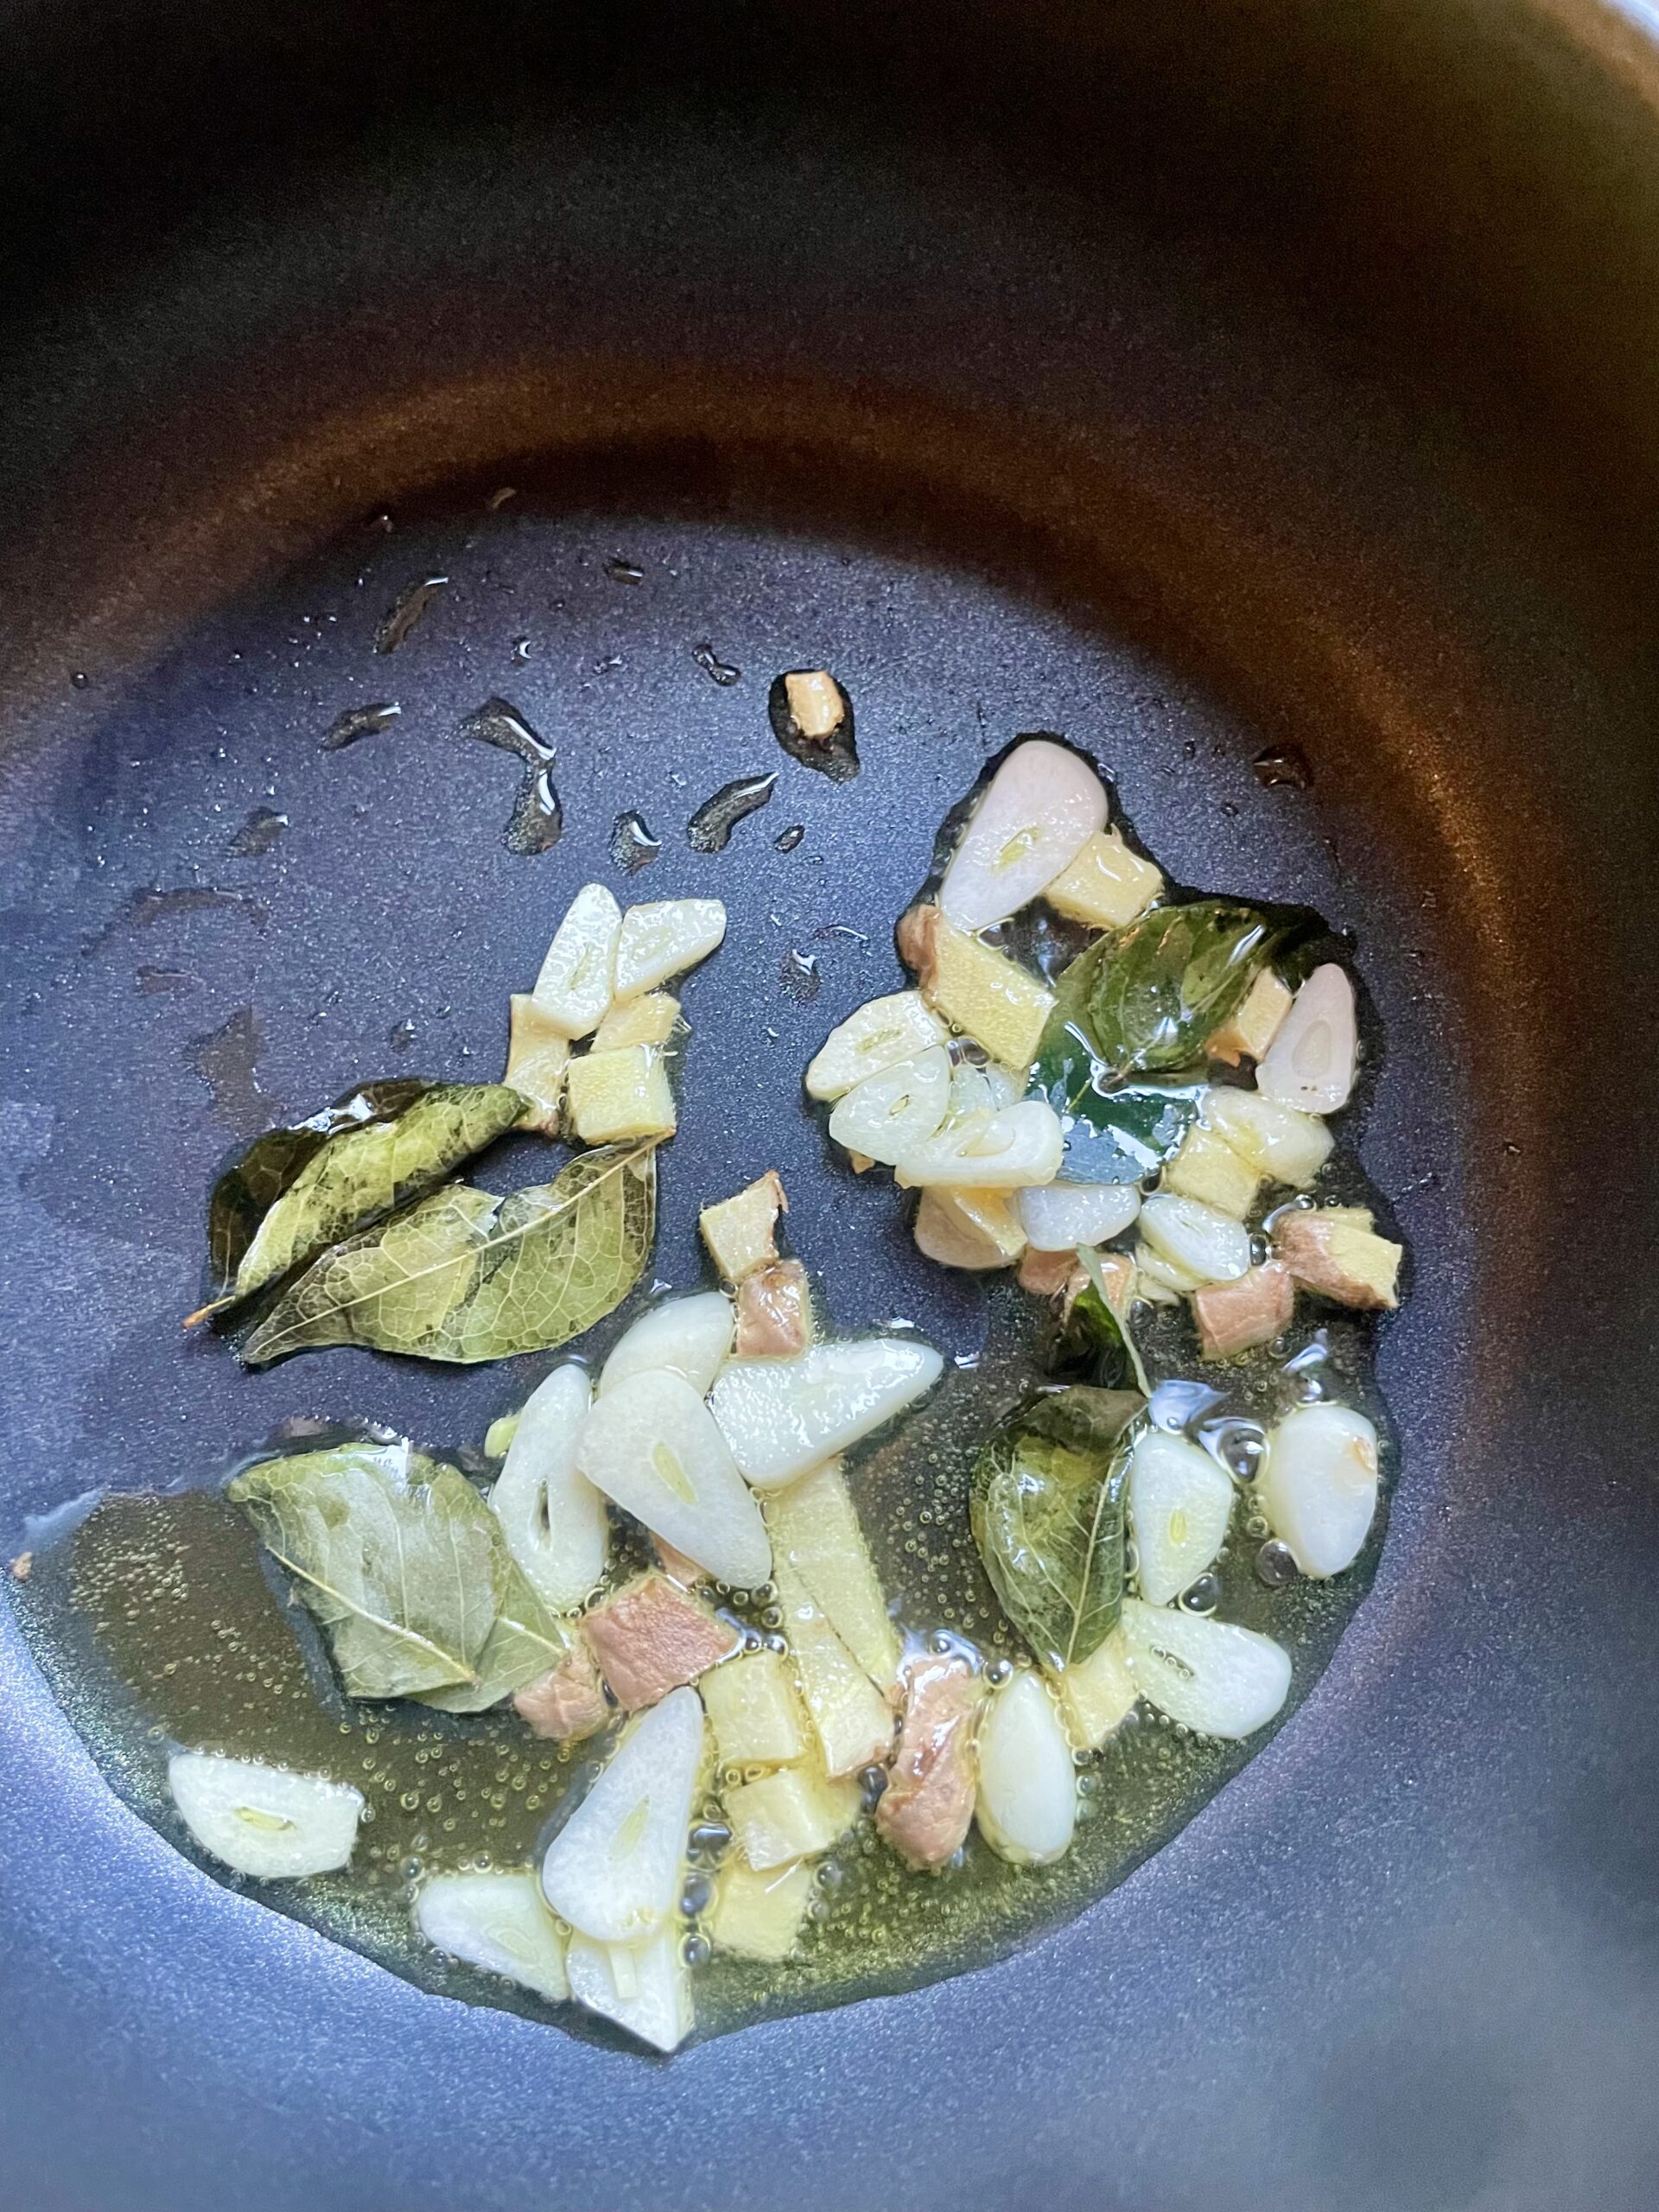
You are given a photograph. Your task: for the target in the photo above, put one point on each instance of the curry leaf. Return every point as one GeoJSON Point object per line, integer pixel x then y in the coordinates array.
{"type": "Point", "coordinates": [1145, 998]}
{"type": "Point", "coordinates": [396, 1554]}
{"type": "Point", "coordinates": [1117, 1134]}
{"type": "Point", "coordinates": [294, 1191]}
{"type": "Point", "coordinates": [528, 1640]}
{"type": "Point", "coordinates": [1047, 1514]}
{"type": "Point", "coordinates": [1119, 1364]}
{"type": "Point", "coordinates": [466, 1276]}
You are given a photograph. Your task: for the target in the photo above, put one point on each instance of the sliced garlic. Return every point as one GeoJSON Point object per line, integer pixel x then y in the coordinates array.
{"type": "Point", "coordinates": [975, 1089]}
{"type": "Point", "coordinates": [781, 1417]}
{"type": "Point", "coordinates": [1209, 1675]}
{"type": "Point", "coordinates": [1181, 1503]}
{"type": "Point", "coordinates": [688, 1337]}
{"type": "Point", "coordinates": [901, 1106]}
{"type": "Point", "coordinates": [1278, 1142]}
{"type": "Point", "coordinates": [646, 1990]}
{"type": "Point", "coordinates": [1026, 1804]}
{"type": "Point", "coordinates": [613, 1870]}
{"type": "Point", "coordinates": [1201, 1241]}
{"type": "Point", "coordinates": [575, 987]}
{"type": "Point", "coordinates": [1038, 811]}
{"type": "Point", "coordinates": [553, 1519]}
{"type": "Point", "coordinates": [878, 1035]}
{"type": "Point", "coordinates": [652, 1446]}
{"type": "Point", "coordinates": [1010, 1150]}
{"type": "Point", "coordinates": [1318, 1487]}
{"type": "Point", "coordinates": [262, 1820]}
{"type": "Point", "coordinates": [1310, 1064]}
{"type": "Point", "coordinates": [663, 939]}
{"type": "Point", "coordinates": [974, 1229]}
{"type": "Point", "coordinates": [498, 1921]}
{"type": "Point", "coordinates": [1059, 1217]}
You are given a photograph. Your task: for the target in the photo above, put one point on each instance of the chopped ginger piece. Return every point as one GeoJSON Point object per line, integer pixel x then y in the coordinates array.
{"type": "Point", "coordinates": [1246, 1034]}
{"type": "Point", "coordinates": [755, 1711]}
{"type": "Point", "coordinates": [741, 1232]}
{"type": "Point", "coordinates": [1107, 885]}
{"type": "Point", "coordinates": [649, 1020]}
{"type": "Point", "coordinates": [1207, 1168]}
{"type": "Point", "coordinates": [774, 1312]}
{"type": "Point", "coordinates": [1336, 1251]}
{"type": "Point", "coordinates": [977, 990]}
{"type": "Point", "coordinates": [538, 1054]}
{"type": "Point", "coordinates": [614, 1096]}
{"type": "Point", "coordinates": [760, 1915]}
{"type": "Point", "coordinates": [1253, 1309]}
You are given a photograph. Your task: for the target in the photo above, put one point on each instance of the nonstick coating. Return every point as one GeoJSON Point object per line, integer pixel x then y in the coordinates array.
{"type": "Point", "coordinates": [1189, 381]}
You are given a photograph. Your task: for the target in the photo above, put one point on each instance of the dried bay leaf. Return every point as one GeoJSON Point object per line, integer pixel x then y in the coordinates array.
{"type": "Point", "coordinates": [527, 1640]}
{"type": "Point", "coordinates": [465, 1276]}
{"type": "Point", "coordinates": [398, 1556]}
{"type": "Point", "coordinates": [1047, 1510]}
{"type": "Point", "coordinates": [296, 1190]}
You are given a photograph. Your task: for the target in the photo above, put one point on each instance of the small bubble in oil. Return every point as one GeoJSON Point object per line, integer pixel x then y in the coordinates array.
{"type": "Point", "coordinates": [1274, 1565]}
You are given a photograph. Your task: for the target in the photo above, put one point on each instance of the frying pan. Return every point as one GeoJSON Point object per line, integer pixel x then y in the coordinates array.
{"type": "Point", "coordinates": [1192, 381]}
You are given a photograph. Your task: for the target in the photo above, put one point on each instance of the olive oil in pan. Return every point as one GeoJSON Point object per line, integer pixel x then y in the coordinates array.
{"type": "Point", "coordinates": [156, 1626]}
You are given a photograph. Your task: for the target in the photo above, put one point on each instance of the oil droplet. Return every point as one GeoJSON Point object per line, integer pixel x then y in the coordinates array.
{"type": "Point", "coordinates": [521, 650]}
{"type": "Point", "coordinates": [1203, 1596]}
{"type": "Point", "coordinates": [257, 834]}
{"type": "Point", "coordinates": [623, 571]}
{"type": "Point", "coordinates": [225, 1059]}
{"type": "Point", "coordinates": [401, 1035]}
{"type": "Point", "coordinates": [799, 974]}
{"type": "Point", "coordinates": [786, 840]}
{"type": "Point", "coordinates": [632, 845]}
{"type": "Point", "coordinates": [710, 828]}
{"type": "Point", "coordinates": [405, 611]}
{"type": "Point", "coordinates": [359, 721]}
{"type": "Point", "coordinates": [537, 818]}
{"type": "Point", "coordinates": [1285, 765]}
{"type": "Point", "coordinates": [154, 981]}
{"type": "Point", "coordinates": [719, 671]}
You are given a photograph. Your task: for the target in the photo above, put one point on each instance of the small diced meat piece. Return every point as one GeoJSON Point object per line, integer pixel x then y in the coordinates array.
{"type": "Point", "coordinates": [1246, 1034]}
{"type": "Point", "coordinates": [774, 1312]}
{"type": "Point", "coordinates": [653, 1637]}
{"type": "Point", "coordinates": [1236, 1317]}
{"type": "Point", "coordinates": [1046, 1274]}
{"type": "Point", "coordinates": [569, 1703]}
{"type": "Point", "coordinates": [538, 1055]}
{"type": "Point", "coordinates": [741, 1233]}
{"type": "Point", "coordinates": [928, 1804]}
{"type": "Point", "coordinates": [1336, 1251]}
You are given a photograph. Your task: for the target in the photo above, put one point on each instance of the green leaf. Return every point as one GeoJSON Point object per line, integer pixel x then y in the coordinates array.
{"type": "Point", "coordinates": [1046, 1508]}
{"type": "Point", "coordinates": [398, 1556]}
{"type": "Point", "coordinates": [296, 1190]}
{"type": "Point", "coordinates": [1144, 998]}
{"type": "Point", "coordinates": [466, 1276]}
{"type": "Point", "coordinates": [1119, 1365]}
{"type": "Point", "coordinates": [527, 1640]}
{"type": "Point", "coordinates": [1115, 1136]}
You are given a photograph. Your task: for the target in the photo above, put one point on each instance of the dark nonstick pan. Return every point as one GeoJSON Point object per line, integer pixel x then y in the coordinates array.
{"type": "Point", "coordinates": [1193, 381]}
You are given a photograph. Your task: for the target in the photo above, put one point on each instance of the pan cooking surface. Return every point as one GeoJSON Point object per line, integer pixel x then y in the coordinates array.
{"type": "Point", "coordinates": [1006, 447]}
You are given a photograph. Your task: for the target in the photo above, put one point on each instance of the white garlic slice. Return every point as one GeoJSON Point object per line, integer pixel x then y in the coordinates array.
{"type": "Point", "coordinates": [1318, 1488]}
{"type": "Point", "coordinates": [874, 1037]}
{"type": "Point", "coordinates": [262, 1820]}
{"type": "Point", "coordinates": [1060, 1215]}
{"type": "Point", "coordinates": [553, 1519]}
{"type": "Point", "coordinates": [1200, 1241]}
{"type": "Point", "coordinates": [645, 1989]}
{"type": "Point", "coordinates": [1027, 1801]}
{"type": "Point", "coordinates": [1039, 810]}
{"type": "Point", "coordinates": [579, 974]}
{"type": "Point", "coordinates": [652, 1446]}
{"type": "Point", "coordinates": [888, 1112]}
{"type": "Point", "coordinates": [498, 1921]}
{"type": "Point", "coordinates": [688, 1337]}
{"type": "Point", "coordinates": [1181, 1503]}
{"type": "Point", "coordinates": [664, 939]}
{"type": "Point", "coordinates": [1209, 1675]}
{"type": "Point", "coordinates": [1008, 1150]}
{"type": "Point", "coordinates": [613, 1870]}
{"type": "Point", "coordinates": [782, 1417]}
{"type": "Point", "coordinates": [1279, 1143]}
{"type": "Point", "coordinates": [1310, 1064]}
